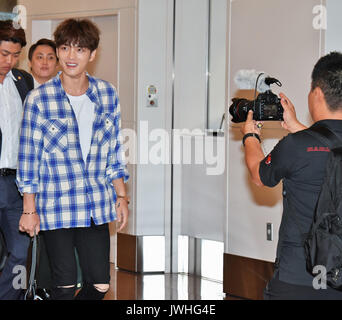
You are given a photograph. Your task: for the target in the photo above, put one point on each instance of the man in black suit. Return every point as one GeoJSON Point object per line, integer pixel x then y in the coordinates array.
{"type": "Point", "coordinates": [14, 85]}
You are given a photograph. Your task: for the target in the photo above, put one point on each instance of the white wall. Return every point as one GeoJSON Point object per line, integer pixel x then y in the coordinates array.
{"type": "Point", "coordinates": [198, 195]}
{"type": "Point", "coordinates": [190, 64]}
{"type": "Point", "coordinates": [217, 63]}
{"type": "Point", "coordinates": [153, 61]}
{"type": "Point", "coordinates": [334, 26]}
{"type": "Point", "coordinates": [194, 214]}
{"type": "Point", "coordinates": [202, 195]}
{"type": "Point", "coordinates": [275, 36]}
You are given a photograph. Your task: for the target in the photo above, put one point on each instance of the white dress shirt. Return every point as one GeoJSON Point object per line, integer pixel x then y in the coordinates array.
{"type": "Point", "coordinates": [36, 84]}
{"type": "Point", "coordinates": [11, 111]}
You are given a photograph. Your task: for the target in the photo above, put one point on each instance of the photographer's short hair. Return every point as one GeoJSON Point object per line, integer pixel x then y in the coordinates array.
{"type": "Point", "coordinates": [41, 42]}
{"type": "Point", "coordinates": [327, 75]}
{"type": "Point", "coordinates": [79, 32]}
{"type": "Point", "coordinates": [10, 33]}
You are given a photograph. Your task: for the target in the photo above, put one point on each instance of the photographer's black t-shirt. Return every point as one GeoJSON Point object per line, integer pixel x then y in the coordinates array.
{"type": "Point", "coordinates": [299, 160]}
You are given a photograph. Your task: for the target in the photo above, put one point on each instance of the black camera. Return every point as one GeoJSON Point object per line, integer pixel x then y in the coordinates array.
{"type": "Point", "coordinates": [265, 107]}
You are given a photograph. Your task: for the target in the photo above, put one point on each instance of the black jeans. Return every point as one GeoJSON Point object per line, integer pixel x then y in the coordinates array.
{"type": "Point", "coordinates": [92, 245]}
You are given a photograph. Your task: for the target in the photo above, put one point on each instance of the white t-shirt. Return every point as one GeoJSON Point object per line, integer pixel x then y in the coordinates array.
{"type": "Point", "coordinates": [84, 110]}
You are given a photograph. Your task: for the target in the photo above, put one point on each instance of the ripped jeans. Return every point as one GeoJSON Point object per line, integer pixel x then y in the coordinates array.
{"type": "Point", "coordinates": [92, 245]}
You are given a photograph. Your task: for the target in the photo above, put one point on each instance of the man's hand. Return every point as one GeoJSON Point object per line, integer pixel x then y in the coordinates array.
{"type": "Point", "coordinates": [290, 122]}
{"type": "Point", "coordinates": [29, 223]}
{"type": "Point", "coordinates": [121, 204]}
{"type": "Point", "coordinates": [251, 126]}
{"type": "Point", "coordinates": [122, 213]}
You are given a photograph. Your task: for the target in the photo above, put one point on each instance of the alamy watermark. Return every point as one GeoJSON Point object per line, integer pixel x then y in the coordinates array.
{"type": "Point", "coordinates": [20, 18]}
{"type": "Point", "coordinates": [320, 280]}
{"type": "Point", "coordinates": [20, 280]}
{"type": "Point", "coordinates": [319, 22]}
{"type": "Point", "coordinates": [180, 146]}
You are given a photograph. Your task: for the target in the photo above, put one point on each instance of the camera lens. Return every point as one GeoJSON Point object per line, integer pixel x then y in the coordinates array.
{"type": "Point", "coordinates": [239, 109]}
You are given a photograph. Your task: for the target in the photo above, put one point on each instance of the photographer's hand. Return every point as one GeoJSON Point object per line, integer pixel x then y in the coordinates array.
{"type": "Point", "coordinates": [251, 126]}
{"type": "Point", "coordinates": [290, 122]}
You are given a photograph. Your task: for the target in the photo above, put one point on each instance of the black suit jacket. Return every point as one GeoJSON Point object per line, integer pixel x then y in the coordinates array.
{"type": "Point", "coordinates": [24, 84]}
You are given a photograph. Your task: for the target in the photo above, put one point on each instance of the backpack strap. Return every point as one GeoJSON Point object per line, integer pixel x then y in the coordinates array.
{"type": "Point", "coordinates": [325, 135]}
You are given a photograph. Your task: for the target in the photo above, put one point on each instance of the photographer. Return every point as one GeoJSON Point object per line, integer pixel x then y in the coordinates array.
{"type": "Point", "coordinates": [298, 160]}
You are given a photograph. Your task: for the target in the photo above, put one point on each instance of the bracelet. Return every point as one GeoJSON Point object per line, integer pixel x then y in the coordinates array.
{"type": "Point", "coordinates": [251, 134]}
{"type": "Point", "coordinates": [124, 198]}
{"type": "Point", "coordinates": [34, 212]}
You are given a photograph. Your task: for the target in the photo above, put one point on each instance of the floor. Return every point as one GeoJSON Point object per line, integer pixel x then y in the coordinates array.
{"type": "Point", "coordinates": [131, 286]}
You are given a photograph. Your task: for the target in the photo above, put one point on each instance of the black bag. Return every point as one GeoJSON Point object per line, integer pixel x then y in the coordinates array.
{"type": "Point", "coordinates": [3, 251]}
{"type": "Point", "coordinates": [323, 244]}
{"type": "Point", "coordinates": [30, 293]}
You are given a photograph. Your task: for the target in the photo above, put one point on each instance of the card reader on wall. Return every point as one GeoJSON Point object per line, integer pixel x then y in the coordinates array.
{"type": "Point", "coordinates": [152, 98]}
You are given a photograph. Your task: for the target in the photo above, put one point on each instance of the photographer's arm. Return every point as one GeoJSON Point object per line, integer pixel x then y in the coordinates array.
{"type": "Point", "coordinates": [253, 152]}
{"type": "Point", "coordinates": [290, 122]}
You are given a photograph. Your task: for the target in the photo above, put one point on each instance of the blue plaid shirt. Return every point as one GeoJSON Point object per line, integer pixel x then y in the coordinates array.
{"type": "Point", "coordinates": [69, 191]}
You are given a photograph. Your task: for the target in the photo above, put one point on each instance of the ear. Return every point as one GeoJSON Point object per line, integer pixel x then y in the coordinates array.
{"type": "Point", "coordinates": [319, 93]}
{"type": "Point", "coordinates": [92, 55]}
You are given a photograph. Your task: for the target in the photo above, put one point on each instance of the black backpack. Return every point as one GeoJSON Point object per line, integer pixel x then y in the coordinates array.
{"type": "Point", "coordinates": [323, 243]}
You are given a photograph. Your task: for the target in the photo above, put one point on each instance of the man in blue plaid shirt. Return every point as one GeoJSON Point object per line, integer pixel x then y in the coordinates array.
{"type": "Point", "coordinates": [71, 165]}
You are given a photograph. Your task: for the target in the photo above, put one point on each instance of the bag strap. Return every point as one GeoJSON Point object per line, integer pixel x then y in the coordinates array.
{"type": "Point", "coordinates": [325, 135]}
{"type": "Point", "coordinates": [31, 290]}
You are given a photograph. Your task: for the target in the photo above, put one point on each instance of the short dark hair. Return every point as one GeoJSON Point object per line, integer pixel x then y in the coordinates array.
{"type": "Point", "coordinates": [327, 75]}
{"type": "Point", "coordinates": [41, 42]}
{"type": "Point", "coordinates": [80, 32]}
{"type": "Point", "coordinates": [10, 33]}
